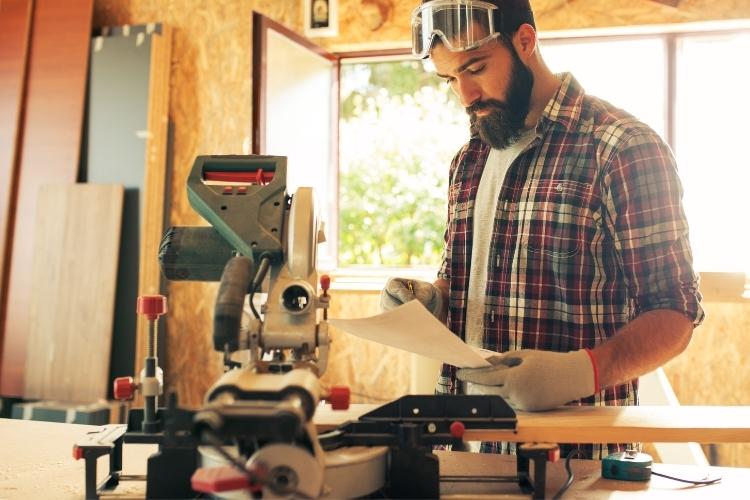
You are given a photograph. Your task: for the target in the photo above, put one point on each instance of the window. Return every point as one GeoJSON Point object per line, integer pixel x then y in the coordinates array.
{"type": "Point", "coordinates": [399, 126]}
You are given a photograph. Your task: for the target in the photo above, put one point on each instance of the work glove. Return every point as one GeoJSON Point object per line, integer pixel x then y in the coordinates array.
{"type": "Point", "coordinates": [398, 291]}
{"type": "Point", "coordinates": [531, 380]}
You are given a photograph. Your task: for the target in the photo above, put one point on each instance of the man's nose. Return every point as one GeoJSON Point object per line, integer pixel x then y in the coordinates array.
{"type": "Point", "coordinates": [467, 91]}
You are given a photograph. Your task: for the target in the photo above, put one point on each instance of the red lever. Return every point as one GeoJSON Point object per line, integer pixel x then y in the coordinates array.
{"type": "Point", "coordinates": [124, 388]}
{"type": "Point", "coordinates": [457, 429]}
{"type": "Point", "coordinates": [218, 479]}
{"type": "Point", "coordinates": [77, 452]}
{"type": "Point", "coordinates": [151, 306]}
{"type": "Point", "coordinates": [339, 396]}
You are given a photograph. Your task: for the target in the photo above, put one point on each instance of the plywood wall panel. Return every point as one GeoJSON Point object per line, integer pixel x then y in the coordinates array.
{"type": "Point", "coordinates": [49, 153]}
{"type": "Point", "coordinates": [373, 372]}
{"type": "Point", "coordinates": [714, 369]}
{"type": "Point", "coordinates": [210, 107]}
{"type": "Point", "coordinates": [15, 23]}
{"type": "Point", "coordinates": [72, 307]}
{"type": "Point", "coordinates": [356, 17]}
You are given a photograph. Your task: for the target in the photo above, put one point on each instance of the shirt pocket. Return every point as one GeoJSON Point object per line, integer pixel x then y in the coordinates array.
{"type": "Point", "coordinates": [554, 218]}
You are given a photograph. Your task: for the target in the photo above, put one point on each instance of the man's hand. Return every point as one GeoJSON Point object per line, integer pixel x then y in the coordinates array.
{"type": "Point", "coordinates": [532, 380]}
{"type": "Point", "coordinates": [398, 291]}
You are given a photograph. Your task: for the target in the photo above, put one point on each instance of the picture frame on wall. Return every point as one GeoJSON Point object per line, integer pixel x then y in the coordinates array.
{"type": "Point", "coordinates": [321, 18]}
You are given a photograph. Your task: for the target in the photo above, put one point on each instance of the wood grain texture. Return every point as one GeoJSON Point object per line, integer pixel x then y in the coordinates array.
{"type": "Point", "coordinates": [154, 205]}
{"type": "Point", "coordinates": [395, 31]}
{"type": "Point", "coordinates": [15, 23]}
{"type": "Point", "coordinates": [49, 153]}
{"type": "Point", "coordinates": [703, 424]}
{"type": "Point", "coordinates": [72, 308]}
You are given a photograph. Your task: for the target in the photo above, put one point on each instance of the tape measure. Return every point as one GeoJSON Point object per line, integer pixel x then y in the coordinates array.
{"type": "Point", "coordinates": [627, 466]}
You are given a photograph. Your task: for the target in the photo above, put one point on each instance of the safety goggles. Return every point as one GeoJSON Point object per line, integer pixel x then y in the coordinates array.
{"type": "Point", "coordinates": [460, 24]}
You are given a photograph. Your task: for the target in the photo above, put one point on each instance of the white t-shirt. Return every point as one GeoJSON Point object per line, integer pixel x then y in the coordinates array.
{"type": "Point", "coordinates": [485, 208]}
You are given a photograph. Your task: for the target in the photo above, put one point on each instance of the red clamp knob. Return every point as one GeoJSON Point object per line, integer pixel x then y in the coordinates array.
{"type": "Point", "coordinates": [457, 430]}
{"type": "Point", "coordinates": [325, 282]}
{"type": "Point", "coordinates": [151, 306]}
{"type": "Point", "coordinates": [339, 397]}
{"type": "Point", "coordinates": [124, 388]}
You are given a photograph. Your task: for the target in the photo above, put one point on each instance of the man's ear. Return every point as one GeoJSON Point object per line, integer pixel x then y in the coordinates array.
{"type": "Point", "coordinates": [524, 41]}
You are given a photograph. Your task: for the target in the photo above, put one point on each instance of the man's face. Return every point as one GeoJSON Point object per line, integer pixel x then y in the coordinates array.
{"type": "Point", "coordinates": [494, 87]}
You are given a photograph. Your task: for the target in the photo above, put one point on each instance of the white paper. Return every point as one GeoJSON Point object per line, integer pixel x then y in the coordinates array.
{"type": "Point", "coordinates": [413, 328]}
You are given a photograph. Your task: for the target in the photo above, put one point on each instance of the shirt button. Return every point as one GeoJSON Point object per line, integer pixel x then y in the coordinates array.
{"type": "Point", "coordinates": [559, 187]}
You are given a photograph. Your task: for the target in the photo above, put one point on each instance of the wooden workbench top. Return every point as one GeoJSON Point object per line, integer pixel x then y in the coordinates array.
{"type": "Point", "coordinates": [36, 462]}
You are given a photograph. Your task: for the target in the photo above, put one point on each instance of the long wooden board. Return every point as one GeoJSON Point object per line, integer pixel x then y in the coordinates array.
{"type": "Point", "coordinates": [49, 153]}
{"type": "Point", "coordinates": [72, 307]}
{"type": "Point", "coordinates": [156, 210]}
{"type": "Point", "coordinates": [15, 24]}
{"type": "Point", "coordinates": [126, 137]}
{"type": "Point", "coordinates": [662, 424]}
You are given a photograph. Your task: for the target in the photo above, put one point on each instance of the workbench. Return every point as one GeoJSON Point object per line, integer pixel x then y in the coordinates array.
{"type": "Point", "coordinates": [36, 457]}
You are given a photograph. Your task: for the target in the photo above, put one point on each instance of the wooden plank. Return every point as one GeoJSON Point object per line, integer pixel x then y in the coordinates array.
{"type": "Point", "coordinates": [15, 24]}
{"type": "Point", "coordinates": [155, 209]}
{"type": "Point", "coordinates": [49, 153]}
{"type": "Point", "coordinates": [664, 424]}
{"type": "Point", "coordinates": [72, 307]}
{"type": "Point", "coordinates": [126, 139]}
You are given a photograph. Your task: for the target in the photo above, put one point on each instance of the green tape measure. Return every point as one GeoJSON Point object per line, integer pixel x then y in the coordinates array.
{"type": "Point", "coordinates": [627, 466]}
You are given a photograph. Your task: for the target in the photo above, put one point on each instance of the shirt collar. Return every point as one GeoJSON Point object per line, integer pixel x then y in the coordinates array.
{"type": "Point", "coordinates": [565, 106]}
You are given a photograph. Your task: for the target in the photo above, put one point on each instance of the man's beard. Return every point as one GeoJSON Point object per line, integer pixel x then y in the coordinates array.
{"type": "Point", "coordinates": [504, 123]}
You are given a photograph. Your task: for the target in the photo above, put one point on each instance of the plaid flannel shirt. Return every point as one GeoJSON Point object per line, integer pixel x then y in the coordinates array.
{"type": "Point", "coordinates": [589, 233]}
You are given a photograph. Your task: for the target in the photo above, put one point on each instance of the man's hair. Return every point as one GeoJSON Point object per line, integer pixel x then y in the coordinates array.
{"type": "Point", "coordinates": [510, 15]}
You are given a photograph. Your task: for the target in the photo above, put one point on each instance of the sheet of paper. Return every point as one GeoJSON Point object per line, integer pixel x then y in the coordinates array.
{"type": "Point", "coordinates": [413, 328]}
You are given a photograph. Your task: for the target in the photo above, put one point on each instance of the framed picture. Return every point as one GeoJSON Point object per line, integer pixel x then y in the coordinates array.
{"type": "Point", "coordinates": [321, 17]}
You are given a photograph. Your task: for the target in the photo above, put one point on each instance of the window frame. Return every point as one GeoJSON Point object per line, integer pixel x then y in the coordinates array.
{"type": "Point", "coordinates": [373, 279]}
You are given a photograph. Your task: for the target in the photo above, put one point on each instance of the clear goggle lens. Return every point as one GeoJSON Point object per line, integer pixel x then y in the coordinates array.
{"type": "Point", "coordinates": [460, 24]}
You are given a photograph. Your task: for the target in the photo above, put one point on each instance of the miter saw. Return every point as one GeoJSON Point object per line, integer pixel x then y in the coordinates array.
{"type": "Point", "coordinates": [254, 436]}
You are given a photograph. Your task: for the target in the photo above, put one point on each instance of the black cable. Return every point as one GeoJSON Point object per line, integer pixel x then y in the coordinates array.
{"type": "Point", "coordinates": [260, 275]}
{"type": "Point", "coordinates": [569, 481]}
{"type": "Point", "coordinates": [707, 481]}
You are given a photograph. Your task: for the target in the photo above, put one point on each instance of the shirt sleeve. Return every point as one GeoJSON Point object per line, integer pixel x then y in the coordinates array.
{"type": "Point", "coordinates": [644, 214]}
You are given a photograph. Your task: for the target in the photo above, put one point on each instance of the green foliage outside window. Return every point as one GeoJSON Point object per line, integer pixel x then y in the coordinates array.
{"type": "Point", "coordinates": [399, 128]}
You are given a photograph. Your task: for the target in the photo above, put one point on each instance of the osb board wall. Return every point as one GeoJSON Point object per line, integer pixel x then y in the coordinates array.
{"type": "Point", "coordinates": [714, 369]}
{"type": "Point", "coordinates": [372, 371]}
{"type": "Point", "coordinates": [210, 109]}
{"type": "Point", "coordinates": [210, 101]}
{"type": "Point", "coordinates": [386, 22]}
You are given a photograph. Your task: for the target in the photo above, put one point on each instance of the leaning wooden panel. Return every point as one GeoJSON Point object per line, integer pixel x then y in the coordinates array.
{"type": "Point", "coordinates": [154, 206]}
{"type": "Point", "coordinates": [15, 22]}
{"type": "Point", "coordinates": [664, 424]}
{"type": "Point", "coordinates": [49, 153]}
{"type": "Point", "coordinates": [72, 308]}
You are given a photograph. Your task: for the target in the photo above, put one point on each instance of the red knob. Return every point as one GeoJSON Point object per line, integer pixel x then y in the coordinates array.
{"type": "Point", "coordinates": [124, 388]}
{"type": "Point", "coordinates": [151, 306]}
{"type": "Point", "coordinates": [218, 479]}
{"type": "Point", "coordinates": [325, 282]}
{"type": "Point", "coordinates": [457, 429]}
{"type": "Point", "coordinates": [339, 397]}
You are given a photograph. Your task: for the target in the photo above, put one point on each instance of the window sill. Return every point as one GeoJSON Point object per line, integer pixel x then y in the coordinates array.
{"type": "Point", "coordinates": [367, 279]}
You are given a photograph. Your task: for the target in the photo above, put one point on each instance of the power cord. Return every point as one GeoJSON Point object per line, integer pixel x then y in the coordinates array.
{"type": "Point", "coordinates": [569, 481]}
{"type": "Point", "coordinates": [691, 481]}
